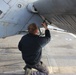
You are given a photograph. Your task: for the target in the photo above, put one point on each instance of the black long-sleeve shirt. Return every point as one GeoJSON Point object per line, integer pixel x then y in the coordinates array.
{"type": "Point", "coordinates": [31, 47]}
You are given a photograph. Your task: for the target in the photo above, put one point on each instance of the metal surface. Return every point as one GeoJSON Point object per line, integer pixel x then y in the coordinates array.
{"type": "Point", "coordinates": [62, 13]}
{"type": "Point", "coordinates": [15, 17]}
{"type": "Point", "coordinates": [56, 6]}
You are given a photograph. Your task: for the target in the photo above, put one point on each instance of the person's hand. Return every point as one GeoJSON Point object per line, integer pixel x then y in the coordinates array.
{"type": "Point", "coordinates": [44, 25]}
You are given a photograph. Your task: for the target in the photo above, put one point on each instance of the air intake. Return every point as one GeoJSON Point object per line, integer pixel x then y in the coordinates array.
{"type": "Point", "coordinates": [31, 8]}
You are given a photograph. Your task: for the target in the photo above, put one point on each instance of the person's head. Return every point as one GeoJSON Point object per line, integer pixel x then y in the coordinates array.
{"type": "Point", "coordinates": [32, 28]}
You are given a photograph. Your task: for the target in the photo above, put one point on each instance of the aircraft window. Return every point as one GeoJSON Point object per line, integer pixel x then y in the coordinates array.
{"type": "Point", "coordinates": [0, 12]}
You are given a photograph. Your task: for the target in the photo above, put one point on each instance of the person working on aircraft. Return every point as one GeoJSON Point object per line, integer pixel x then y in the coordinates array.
{"type": "Point", "coordinates": [31, 47]}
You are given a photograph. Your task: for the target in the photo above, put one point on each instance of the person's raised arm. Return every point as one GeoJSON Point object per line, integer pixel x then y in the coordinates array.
{"type": "Point", "coordinates": [44, 40]}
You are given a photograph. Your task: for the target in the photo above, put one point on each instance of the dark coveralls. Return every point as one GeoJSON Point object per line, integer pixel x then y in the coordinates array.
{"type": "Point", "coordinates": [31, 47]}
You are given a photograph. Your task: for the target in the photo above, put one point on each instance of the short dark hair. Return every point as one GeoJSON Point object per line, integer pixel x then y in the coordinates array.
{"type": "Point", "coordinates": [32, 28]}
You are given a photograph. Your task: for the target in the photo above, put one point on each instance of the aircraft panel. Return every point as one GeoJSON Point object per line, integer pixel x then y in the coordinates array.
{"type": "Point", "coordinates": [7, 1]}
{"type": "Point", "coordinates": [2, 30]}
{"type": "Point", "coordinates": [56, 6]}
{"type": "Point", "coordinates": [34, 19]}
{"type": "Point", "coordinates": [59, 12]}
{"type": "Point", "coordinates": [17, 19]}
{"type": "Point", "coordinates": [67, 23]}
{"type": "Point", "coordinates": [12, 2]}
{"type": "Point", "coordinates": [2, 8]}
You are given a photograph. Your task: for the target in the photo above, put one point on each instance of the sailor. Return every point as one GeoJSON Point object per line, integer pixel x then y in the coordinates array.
{"type": "Point", "coordinates": [31, 46]}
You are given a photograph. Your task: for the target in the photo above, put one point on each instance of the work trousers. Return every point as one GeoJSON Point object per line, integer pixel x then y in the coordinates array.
{"type": "Point", "coordinates": [41, 67]}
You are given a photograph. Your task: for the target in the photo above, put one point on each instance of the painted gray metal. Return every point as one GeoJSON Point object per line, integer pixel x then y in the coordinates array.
{"type": "Point", "coordinates": [14, 17]}
{"type": "Point", "coordinates": [62, 13]}
{"type": "Point", "coordinates": [56, 6]}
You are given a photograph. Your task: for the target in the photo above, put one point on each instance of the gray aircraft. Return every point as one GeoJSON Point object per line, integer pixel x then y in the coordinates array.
{"type": "Point", "coordinates": [16, 15]}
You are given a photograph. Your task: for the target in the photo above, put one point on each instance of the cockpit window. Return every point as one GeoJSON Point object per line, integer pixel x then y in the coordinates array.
{"type": "Point", "coordinates": [0, 12]}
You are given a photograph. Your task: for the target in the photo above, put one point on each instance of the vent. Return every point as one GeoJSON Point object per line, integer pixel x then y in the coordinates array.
{"type": "Point", "coordinates": [0, 12]}
{"type": "Point", "coordinates": [31, 8]}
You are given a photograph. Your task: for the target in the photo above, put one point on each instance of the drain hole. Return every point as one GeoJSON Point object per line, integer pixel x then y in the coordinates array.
{"type": "Point", "coordinates": [19, 5]}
